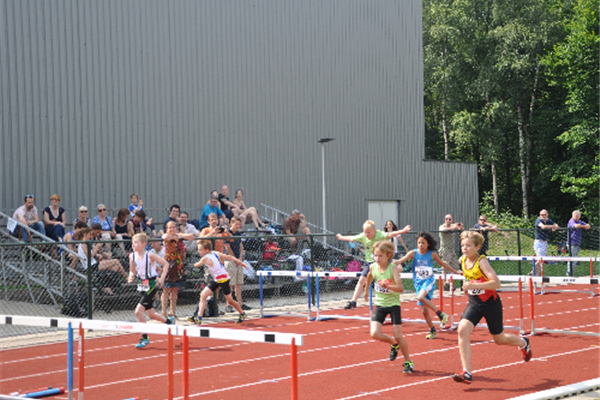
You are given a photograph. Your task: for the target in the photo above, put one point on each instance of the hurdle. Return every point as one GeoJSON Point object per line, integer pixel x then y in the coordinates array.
{"type": "Point", "coordinates": [291, 339]}
{"type": "Point", "coordinates": [296, 274]}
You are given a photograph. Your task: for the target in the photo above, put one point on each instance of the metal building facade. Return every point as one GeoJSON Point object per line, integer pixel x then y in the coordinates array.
{"type": "Point", "coordinates": [171, 99]}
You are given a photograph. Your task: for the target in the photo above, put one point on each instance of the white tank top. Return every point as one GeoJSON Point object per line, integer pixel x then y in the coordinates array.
{"type": "Point", "coordinates": [145, 268]}
{"type": "Point", "coordinates": [83, 257]}
{"type": "Point", "coordinates": [217, 270]}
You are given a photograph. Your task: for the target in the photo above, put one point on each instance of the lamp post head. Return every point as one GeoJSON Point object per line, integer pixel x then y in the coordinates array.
{"type": "Point", "coordinates": [325, 140]}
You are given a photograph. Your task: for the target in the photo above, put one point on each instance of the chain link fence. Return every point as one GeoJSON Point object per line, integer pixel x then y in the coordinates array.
{"type": "Point", "coordinates": [45, 278]}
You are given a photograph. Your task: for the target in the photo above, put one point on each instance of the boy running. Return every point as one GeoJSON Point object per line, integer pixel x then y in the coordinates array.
{"type": "Point", "coordinates": [143, 265]}
{"type": "Point", "coordinates": [215, 263]}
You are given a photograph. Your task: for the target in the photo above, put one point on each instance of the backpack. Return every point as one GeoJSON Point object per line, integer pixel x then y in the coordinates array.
{"type": "Point", "coordinates": [270, 252]}
{"type": "Point", "coordinates": [75, 306]}
{"type": "Point", "coordinates": [354, 266]}
{"type": "Point", "coordinates": [209, 311]}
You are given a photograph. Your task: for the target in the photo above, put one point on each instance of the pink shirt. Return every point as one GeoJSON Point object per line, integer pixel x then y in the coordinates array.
{"type": "Point", "coordinates": [28, 215]}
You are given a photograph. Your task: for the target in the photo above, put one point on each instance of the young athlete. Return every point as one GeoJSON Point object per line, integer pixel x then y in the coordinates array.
{"type": "Point", "coordinates": [481, 283]}
{"type": "Point", "coordinates": [388, 287]}
{"type": "Point", "coordinates": [368, 238]}
{"type": "Point", "coordinates": [215, 263]}
{"type": "Point", "coordinates": [423, 278]}
{"type": "Point", "coordinates": [143, 265]}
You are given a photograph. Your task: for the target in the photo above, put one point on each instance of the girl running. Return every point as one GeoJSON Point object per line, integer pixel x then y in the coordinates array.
{"type": "Point", "coordinates": [481, 283]}
{"type": "Point", "coordinates": [423, 278]}
{"type": "Point", "coordinates": [388, 287]}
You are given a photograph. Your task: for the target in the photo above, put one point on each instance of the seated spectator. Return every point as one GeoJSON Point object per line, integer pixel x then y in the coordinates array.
{"type": "Point", "coordinates": [97, 264]}
{"type": "Point", "coordinates": [173, 216]}
{"type": "Point", "coordinates": [97, 235]}
{"type": "Point", "coordinates": [69, 237]}
{"type": "Point", "coordinates": [157, 247]}
{"type": "Point", "coordinates": [27, 214]}
{"type": "Point", "coordinates": [247, 212]}
{"type": "Point", "coordinates": [121, 224]}
{"type": "Point", "coordinates": [211, 208]}
{"type": "Point", "coordinates": [136, 204]}
{"type": "Point", "coordinates": [139, 224]}
{"type": "Point", "coordinates": [83, 216]}
{"type": "Point", "coordinates": [54, 219]}
{"type": "Point", "coordinates": [291, 225]}
{"type": "Point", "coordinates": [108, 228]}
{"type": "Point", "coordinates": [229, 209]}
{"type": "Point", "coordinates": [191, 246]}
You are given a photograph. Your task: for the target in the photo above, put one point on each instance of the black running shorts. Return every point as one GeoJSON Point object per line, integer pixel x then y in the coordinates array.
{"type": "Point", "coordinates": [491, 310]}
{"type": "Point", "coordinates": [381, 312]}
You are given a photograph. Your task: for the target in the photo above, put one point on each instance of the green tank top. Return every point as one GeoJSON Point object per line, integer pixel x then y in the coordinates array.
{"type": "Point", "coordinates": [384, 297]}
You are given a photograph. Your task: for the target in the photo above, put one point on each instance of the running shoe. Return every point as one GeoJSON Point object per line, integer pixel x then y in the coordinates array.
{"type": "Point", "coordinates": [463, 377]}
{"type": "Point", "coordinates": [195, 320]}
{"type": "Point", "coordinates": [443, 319]}
{"type": "Point", "coordinates": [394, 352]}
{"type": "Point", "coordinates": [143, 343]}
{"type": "Point", "coordinates": [409, 367]}
{"type": "Point", "coordinates": [350, 305]}
{"type": "Point", "coordinates": [431, 335]}
{"type": "Point", "coordinates": [191, 319]}
{"type": "Point", "coordinates": [526, 350]}
{"type": "Point", "coordinates": [170, 321]}
{"type": "Point", "coordinates": [241, 318]}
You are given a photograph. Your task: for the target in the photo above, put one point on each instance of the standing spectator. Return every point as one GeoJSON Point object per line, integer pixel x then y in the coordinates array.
{"type": "Point", "coordinates": [136, 204]}
{"type": "Point", "coordinates": [175, 256]}
{"type": "Point", "coordinates": [540, 245]}
{"type": "Point", "coordinates": [236, 273]}
{"type": "Point", "coordinates": [83, 217]}
{"type": "Point", "coordinates": [574, 237]}
{"type": "Point", "coordinates": [447, 253]}
{"type": "Point", "coordinates": [211, 208]}
{"type": "Point", "coordinates": [390, 226]}
{"type": "Point", "coordinates": [484, 229]}
{"type": "Point", "coordinates": [27, 214]}
{"type": "Point", "coordinates": [247, 211]}
{"type": "Point", "coordinates": [291, 225]}
{"type": "Point", "coordinates": [108, 228]}
{"type": "Point", "coordinates": [54, 219]}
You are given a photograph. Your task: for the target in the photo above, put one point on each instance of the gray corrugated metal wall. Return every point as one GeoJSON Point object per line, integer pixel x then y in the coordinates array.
{"type": "Point", "coordinates": [173, 99]}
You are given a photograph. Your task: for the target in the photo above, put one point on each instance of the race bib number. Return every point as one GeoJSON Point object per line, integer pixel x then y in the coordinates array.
{"type": "Point", "coordinates": [144, 286]}
{"type": "Point", "coordinates": [423, 272]}
{"type": "Point", "coordinates": [475, 292]}
{"type": "Point", "coordinates": [383, 290]}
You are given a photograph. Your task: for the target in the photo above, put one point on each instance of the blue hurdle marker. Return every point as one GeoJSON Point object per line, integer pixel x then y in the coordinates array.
{"type": "Point", "coordinates": [70, 363]}
{"type": "Point", "coordinates": [44, 393]}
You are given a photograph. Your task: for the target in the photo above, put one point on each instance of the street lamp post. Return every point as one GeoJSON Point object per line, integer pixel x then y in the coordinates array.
{"type": "Point", "coordinates": [323, 141]}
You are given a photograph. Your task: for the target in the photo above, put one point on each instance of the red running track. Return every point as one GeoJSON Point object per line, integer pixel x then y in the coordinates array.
{"type": "Point", "coordinates": [339, 360]}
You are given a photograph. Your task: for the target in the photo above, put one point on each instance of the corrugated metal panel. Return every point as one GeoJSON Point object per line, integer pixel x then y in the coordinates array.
{"type": "Point", "coordinates": [173, 99]}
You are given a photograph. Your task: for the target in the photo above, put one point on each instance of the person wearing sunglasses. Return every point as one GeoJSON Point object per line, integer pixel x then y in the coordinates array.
{"type": "Point", "coordinates": [82, 216]}
{"type": "Point", "coordinates": [108, 228]}
{"type": "Point", "coordinates": [484, 229]}
{"type": "Point", "coordinates": [27, 214]}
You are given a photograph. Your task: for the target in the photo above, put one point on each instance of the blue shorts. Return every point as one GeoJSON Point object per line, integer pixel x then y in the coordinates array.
{"type": "Point", "coordinates": [428, 286]}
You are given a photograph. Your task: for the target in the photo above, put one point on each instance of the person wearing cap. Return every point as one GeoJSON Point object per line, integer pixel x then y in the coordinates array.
{"type": "Point", "coordinates": [83, 217]}
{"type": "Point", "coordinates": [27, 214]}
{"type": "Point", "coordinates": [291, 225]}
{"type": "Point", "coordinates": [210, 208]}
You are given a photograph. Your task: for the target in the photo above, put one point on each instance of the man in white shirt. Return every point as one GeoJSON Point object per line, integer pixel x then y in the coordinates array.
{"type": "Point", "coordinates": [27, 214]}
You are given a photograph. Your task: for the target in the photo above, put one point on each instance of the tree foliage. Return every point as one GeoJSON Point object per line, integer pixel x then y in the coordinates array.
{"type": "Point", "coordinates": [513, 85]}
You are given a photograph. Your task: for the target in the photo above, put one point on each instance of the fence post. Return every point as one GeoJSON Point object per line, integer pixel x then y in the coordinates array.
{"type": "Point", "coordinates": [90, 279]}
{"type": "Point", "coordinates": [519, 249]}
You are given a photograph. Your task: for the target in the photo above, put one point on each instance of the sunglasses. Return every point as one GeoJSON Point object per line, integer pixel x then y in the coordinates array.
{"type": "Point", "coordinates": [83, 211]}
{"type": "Point", "coordinates": [104, 209]}
{"type": "Point", "coordinates": [448, 219]}
{"type": "Point", "coordinates": [483, 219]}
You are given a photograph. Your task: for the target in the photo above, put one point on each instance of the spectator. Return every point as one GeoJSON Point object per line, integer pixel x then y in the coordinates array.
{"type": "Point", "coordinates": [214, 230]}
{"type": "Point", "coordinates": [69, 237]}
{"type": "Point", "coordinates": [136, 204]}
{"type": "Point", "coordinates": [484, 229]}
{"type": "Point", "coordinates": [390, 226]}
{"type": "Point", "coordinates": [211, 208]}
{"type": "Point", "coordinates": [291, 225]}
{"type": "Point", "coordinates": [83, 216]}
{"type": "Point", "coordinates": [100, 264]}
{"type": "Point", "coordinates": [97, 235]}
{"type": "Point", "coordinates": [447, 253]}
{"type": "Point", "coordinates": [173, 216]}
{"type": "Point", "coordinates": [228, 208]}
{"type": "Point", "coordinates": [139, 224]}
{"type": "Point", "coordinates": [108, 229]}
{"type": "Point", "coordinates": [247, 212]}
{"type": "Point", "coordinates": [121, 224]}
{"type": "Point", "coordinates": [157, 248]}
{"type": "Point", "coordinates": [540, 245]}
{"type": "Point", "coordinates": [175, 256]}
{"type": "Point", "coordinates": [236, 273]}
{"type": "Point", "coordinates": [54, 219]}
{"type": "Point", "coordinates": [574, 237]}
{"type": "Point", "coordinates": [27, 214]}
{"type": "Point", "coordinates": [191, 246]}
